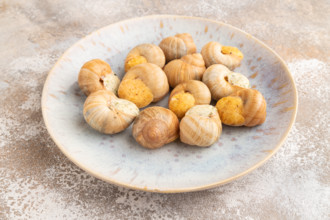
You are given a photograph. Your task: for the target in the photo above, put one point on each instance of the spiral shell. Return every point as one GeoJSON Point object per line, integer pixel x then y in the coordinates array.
{"type": "Point", "coordinates": [96, 75]}
{"type": "Point", "coordinates": [152, 54]}
{"type": "Point", "coordinates": [177, 46]}
{"type": "Point", "coordinates": [218, 79]}
{"type": "Point", "coordinates": [155, 127]}
{"type": "Point", "coordinates": [254, 107]}
{"type": "Point", "coordinates": [152, 76]}
{"type": "Point", "coordinates": [200, 126]}
{"type": "Point", "coordinates": [198, 89]}
{"type": "Point", "coordinates": [108, 114]}
{"type": "Point", "coordinates": [212, 54]}
{"type": "Point", "coordinates": [189, 67]}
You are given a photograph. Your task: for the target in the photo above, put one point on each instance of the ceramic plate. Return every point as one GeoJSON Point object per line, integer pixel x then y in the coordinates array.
{"type": "Point", "coordinates": [176, 167]}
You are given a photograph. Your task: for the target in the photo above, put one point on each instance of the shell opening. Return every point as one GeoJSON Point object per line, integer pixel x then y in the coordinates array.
{"type": "Point", "coordinates": [134, 61]}
{"type": "Point", "coordinates": [110, 82]}
{"type": "Point", "coordinates": [227, 50]}
{"type": "Point", "coordinates": [124, 106]}
{"type": "Point", "coordinates": [135, 91]}
{"type": "Point", "coordinates": [238, 79]}
{"type": "Point", "coordinates": [181, 103]}
{"type": "Point", "coordinates": [230, 110]}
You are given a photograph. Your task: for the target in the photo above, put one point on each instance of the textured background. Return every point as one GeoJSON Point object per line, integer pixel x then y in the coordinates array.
{"type": "Point", "coordinates": [37, 181]}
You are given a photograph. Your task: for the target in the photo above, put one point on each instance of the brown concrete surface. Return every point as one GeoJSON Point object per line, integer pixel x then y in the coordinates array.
{"type": "Point", "coordinates": [38, 182]}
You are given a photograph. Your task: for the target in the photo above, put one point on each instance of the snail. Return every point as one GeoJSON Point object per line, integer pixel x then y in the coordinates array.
{"type": "Point", "coordinates": [190, 66]}
{"type": "Point", "coordinates": [201, 126]}
{"type": "Point", "coordinates": [244, 107]}
{"type": "Point", "coordinates": [186, 95]}
{"type": "Point", "coordinates": [145, 53]}
{"type": "Point", "coordinates": [222, 82]}
{"type": "Point", "coordinates": [108, 114]}
{"type": "Point", "coordinates": [96, 75]}
{"type": "Point", "coordinates": [155, 127]}
{"type": "Point", "coordinates": [143, 84]}
{"type": "Point", "coordinates": [177, 46]}
{"type": "Point", "coordinates": [214, 53]}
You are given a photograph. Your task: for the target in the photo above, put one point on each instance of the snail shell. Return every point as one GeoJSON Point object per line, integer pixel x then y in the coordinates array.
{"type": "Point", "coordinates": [200, 126]}
{"type": "Point", "coordinates": [152, 54]}
{"type": "Point", "coordinates": [212, 54]}
{"type": "Point", "coordinates": [152, 76]}
{"type": "Point", "coordinates": [108, 114]}
{"type": "Point", "coordinates": [189, 67]}
{"type": "Point", "coordinates": [223, 82]}
{"type": "Point", "coordinates": [96, 75]}
{"type": "Point", "coordinates": [198, 89]}
{"type": "Point", "coordinates": [155, 127]}
{"type": "Point", "coordinates": [254, 107]}
{"type": "Point", "coordinates": [177, 46]}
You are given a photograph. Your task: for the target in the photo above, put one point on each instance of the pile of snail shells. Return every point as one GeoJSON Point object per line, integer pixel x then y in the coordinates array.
{"type": "Point", "coordinates": [196, 78]}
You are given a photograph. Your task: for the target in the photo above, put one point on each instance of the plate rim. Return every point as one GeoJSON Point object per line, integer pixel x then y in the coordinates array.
{"type": "Point", "coordinates": [169, 190]}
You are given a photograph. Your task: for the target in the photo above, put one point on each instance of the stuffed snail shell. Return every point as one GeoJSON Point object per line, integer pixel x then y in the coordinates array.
{"type": "Point", "coordinates": [145, 53]}
{"type": "Point", "coordinates": [143, 84]}
{"type": "Point", "coordinates": [244, 107]}
{"type": "Point", "coordinates": [177, 46]}
{"type": "Point", "coordinates": [189, 67]}
{"type": "Point", "coordinates": [223, 82]}
{"type": "Point", "coordinates": [201, 126]}
{"type": "Point", "coordinates": [155, 127]}
{"type": "Point", "coordinates": [186, 95]}
{"type": "Point", "coordinates": [97, 75]}
{"type": "Point", "coordinates": [215, 53]}
{"type": "Point", "coordinates": [108, 114]}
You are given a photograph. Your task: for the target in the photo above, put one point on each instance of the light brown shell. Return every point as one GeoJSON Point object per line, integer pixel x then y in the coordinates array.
{"type": "Point", "coordinates": [155, 127]}
{"type": "Point", "coordinates": [254, 108]}
{"type": "Point", "coordinates": [189, 67]}
{"type": "Point", "coordinates": [151, 52]}
{"type": "Point", "coordinates": [108, 114]}
{"type": "Point", "coordinates": [211, 53]}
{"type": "Point", "coordinates": [91, 75]}
{"type": "Point", "coordinates": [152, 76]}
{"type": "Point", "coordinates": [196, 88]}
{"type": "Point", "coordinates": [177, 46]}
{"type": "Point", "coordinates": [200, 128]}
{"type": "Point", "coordinates": [215, 79]}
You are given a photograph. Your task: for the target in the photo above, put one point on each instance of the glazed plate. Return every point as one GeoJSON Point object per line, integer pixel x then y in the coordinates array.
{"type": "Point", "coordinates": [176, 167]}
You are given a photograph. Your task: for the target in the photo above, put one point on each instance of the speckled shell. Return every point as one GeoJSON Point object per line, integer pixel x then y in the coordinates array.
{"type": "Point", "coordinates": [104, 117]}
{"type": "Point", "coordinates": [151, 52]}
{"type": "Point", "coordinates": [90, 75]}
{"type": "Point", "coordinates": [189, 67]}
{"type": "Point", "coordinates": [196, 88]}
{"type": "Point", "coordinates": [177, 46]}
{"type": "Point", "coordinates": [254, 108]}
{"type": "Point", "coordinates": [151, 75]}
{"type": "Point", "coordinates": [155, 127]}
{"type": "Point", "coordinates": [211, 53]}
{"type": "Point", "coordinates": [199, 130]}
{"type": "Point", "coordinates": [215, 79]}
